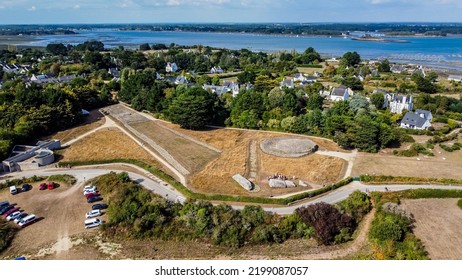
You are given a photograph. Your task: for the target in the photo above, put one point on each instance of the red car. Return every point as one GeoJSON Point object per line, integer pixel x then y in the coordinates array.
{"type": "Point", "coordinates": [7, 213]}
{"type": "Point", "coordinates": [43, 186]}
{"type": "Point", "coordinates": [51, 185]}
{"type": "Point", "coordinates": [88, 195]}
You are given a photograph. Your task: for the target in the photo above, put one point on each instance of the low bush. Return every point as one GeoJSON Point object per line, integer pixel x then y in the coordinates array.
{"type": "Point", "coordinates": [414, 151]}
{"type": "Point", "coordinates": [18, 182]}
{"type": "Point", "coordinates": [459, 203]}
{"type": "Point", "coordinates": [65, 178]}
{"type": "Point", "coordinates": [384, 179]}
{"type": "Point", "coordinates": [7, 233]}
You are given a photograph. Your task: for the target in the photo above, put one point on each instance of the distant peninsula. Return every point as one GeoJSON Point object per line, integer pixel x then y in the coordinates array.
{"type": "Point", "coordinates": [368, 37]}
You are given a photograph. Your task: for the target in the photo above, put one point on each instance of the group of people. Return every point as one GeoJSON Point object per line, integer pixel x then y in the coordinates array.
{"type": "Point", "coordinates": [277, 176]}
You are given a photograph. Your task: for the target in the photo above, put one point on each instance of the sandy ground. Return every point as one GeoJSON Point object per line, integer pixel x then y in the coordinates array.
{"type": "Point", "coordinates": [438, 224]}
{"type": "Point", "coordinates": [61, 212]}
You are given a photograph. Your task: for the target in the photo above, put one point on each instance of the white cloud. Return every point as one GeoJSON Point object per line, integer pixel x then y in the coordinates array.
{"type": "Point", "coordinates": [32, 9]}
{"type": "Point", "coordinates": [77, 6]}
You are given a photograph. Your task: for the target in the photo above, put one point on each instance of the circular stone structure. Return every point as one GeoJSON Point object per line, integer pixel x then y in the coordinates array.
{"type": "Point", "coordinates": [288, 147]}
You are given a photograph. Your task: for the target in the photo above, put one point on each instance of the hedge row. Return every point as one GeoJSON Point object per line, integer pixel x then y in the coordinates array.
{"type": "Point", "coordinates": [383, 179]}
{"type": "Point", "coordinates": [215, 197]}
{"type": "Point", "coordinates": [18, 182]}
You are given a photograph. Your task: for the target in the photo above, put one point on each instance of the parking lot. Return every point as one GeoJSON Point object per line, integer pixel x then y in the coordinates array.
{"type": "Point", "coordinates": [61, 212]}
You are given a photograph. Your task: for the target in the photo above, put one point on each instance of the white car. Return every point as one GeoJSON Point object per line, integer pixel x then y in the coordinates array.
{"type": "Point", "coordinates": [94, 222]}
{"type": "Point", "coordinates": [93, 190]}
{"type": "Point", "coordinates": [13, 216]}
{"type": "Point", "coordinates": [93, 213]}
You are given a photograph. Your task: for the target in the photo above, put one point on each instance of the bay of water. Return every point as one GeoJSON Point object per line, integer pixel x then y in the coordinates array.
{"type": "Point", "coordinates": [443, 52]}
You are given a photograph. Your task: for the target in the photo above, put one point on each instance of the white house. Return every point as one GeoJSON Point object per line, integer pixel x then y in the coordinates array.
{"type": "Point", "coordinates": [299, 77]}
{"type": "Point", "coordinates": [181, 80]}
{"type": "Point", "coordinates": [397, 103]}
{"type": "Point", "coordinates": [397, 69]}
{"type": "Point", "coordinates": [216, 70]}
{"type": "Point", "coordinates": [455, 78]}
{"type": "Point", "coordinates": [340, 93]}
{"type": "Point", "coordinates": [171, 67]}
{"type": "Point", "coordinates": [287, 82]}
{"type": "Point", "coordinates": [420, 119]}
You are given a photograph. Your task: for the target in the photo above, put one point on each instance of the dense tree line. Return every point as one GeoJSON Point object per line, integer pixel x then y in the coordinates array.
{"type": "Point", "coordinates": [136, 212]}
{"type": "Point", "coordinates": [27, 113]}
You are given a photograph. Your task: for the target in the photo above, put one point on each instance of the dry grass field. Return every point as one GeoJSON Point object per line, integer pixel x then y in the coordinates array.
{"type": "Point", "coordinates": [95, 120]}
{"type": "Point", "coordinates": [189, 154]}
{"type": "Point", "coordinates": [442, 165]}
{"type": "Point", "coordinates": [216, 176]}
{"type": "Point", "coordinates": [107, 144]}
{"type": "Point", "coordinates": [438, 224]}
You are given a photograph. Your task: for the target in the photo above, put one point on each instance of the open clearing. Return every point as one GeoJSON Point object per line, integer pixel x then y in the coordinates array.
{"type": "Point", "coordinates": [62, 212]}
{"type": "Point", "coordinates": [438, 224]}
{"type": "Point", "coordinates": [93, 121]}
{"type": "Point", "coordinates": [107, 144]}
{"type": "Point", "coordinates": [235, 144]}
{"type": "Point", "coordinates": [444, 165]}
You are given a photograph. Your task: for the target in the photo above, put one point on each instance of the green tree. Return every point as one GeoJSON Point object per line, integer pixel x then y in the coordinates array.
{"type": "Point", "coordinates": [351, 59]}
{"type": "Point", "coordinates": [145, 47]}
{"type": "Point", "coordinates": [378, 100]}
{"type": "Point", "coordinates": [384, 66]}
{"type": "Point", "coordinates": [192, 109]}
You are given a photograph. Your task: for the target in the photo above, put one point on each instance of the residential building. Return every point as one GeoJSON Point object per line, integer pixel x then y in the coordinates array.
{"type": "Point", "coordinates": [397, 69]}
{"type": "Point", "coordinates": [287, 82]}
{"type": "Point", "coordinates": [181, 80]}
{"type": "Point", "coordinates": [340, 93]}
{"type": "Point", "coordinates": [171, 67]}
{"type": "Point", "coordinates": [216, 70]}
{"type": "Point", "coordinates": [420, 119]}
{"type": "Point", "coordinates": [397, 103]}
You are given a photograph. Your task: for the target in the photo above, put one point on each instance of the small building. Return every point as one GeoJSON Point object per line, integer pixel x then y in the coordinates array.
{"type": "Point", "coordinates": [181, 80]}
{"type": "Point", "coordinates": [216, 70]}
{"type": "Point", "coordinates": [171, 67]}
{"type": "Point", "coordinates": [114, 72]}
{"type": "Point", "coordinates": [397, 103]}
{"type": "Point", "coordinates": [287, 82]}
{"type": "Point", "coordinates": [455, 78]}
{"type": "Point", "coordinates": [42, 155]}
{"type": "Point", "coordinates": [397, 69]}
{"type": "Point", "coordinates": [420, 119]}
{"type": "Point", "coordinates": [340, 93]}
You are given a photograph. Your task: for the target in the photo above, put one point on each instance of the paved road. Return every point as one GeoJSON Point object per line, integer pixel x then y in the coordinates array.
{"type": "Point", "coordinates": [155, 185]}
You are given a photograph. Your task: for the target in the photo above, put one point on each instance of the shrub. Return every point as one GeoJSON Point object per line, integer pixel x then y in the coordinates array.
{"type": "Point", "coordinates": [326, 220]}
{"type": "Point", "coordinates": [7, 233]}
{"type": "Point", "coordinates": [356, 205]}
{"type": "Point", "coordinates": [459, 203]}
{"type": "Point", "coordinates": [65, 178]}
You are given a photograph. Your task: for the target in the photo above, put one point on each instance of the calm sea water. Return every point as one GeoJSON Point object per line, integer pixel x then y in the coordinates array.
{"type": "Point", "coordinates": [438, 52]}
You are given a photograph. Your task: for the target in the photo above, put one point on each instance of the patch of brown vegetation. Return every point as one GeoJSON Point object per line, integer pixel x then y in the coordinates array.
{"type": "Point", "coordinates": [216, 177]}
{"type": "Point", "coordinates": [107, 144]}
{"type": "Point", "coordinates": [440, 166]}
{"type": "Point", "coordinates": [190, 155]}
{"type": "Point", "coordinates": [93, 121]}
{"type": "Point", "coordinates": [438, 223]}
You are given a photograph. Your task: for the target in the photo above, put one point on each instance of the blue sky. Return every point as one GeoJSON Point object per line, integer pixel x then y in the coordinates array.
{"type": "Point", "coordinates": [153, 11]}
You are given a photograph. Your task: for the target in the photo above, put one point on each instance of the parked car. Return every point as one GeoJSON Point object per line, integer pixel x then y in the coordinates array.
{"type": "Point", "coordinates": [88, 195]}
{"type": "Point", "coordinates": [13, 216]}
{"type": "Point", "coordinates": [12, 210]}
{"type": "Point", "coordinates": [13, 190]}
{"type": "Point", "coordinates": [51, 185]}
{"type": "Point", "coordinates": [89, 187]}
{"type": "Point", "coordinates": [99, 206]}
{"type": "Point", "coordinates": [27, 220]}
{"type": "Point", "coordinates": [91, 190]}
{"type": "Point", "coordinates": [90, 223]}
{"type": "Point", "coordinates": [93, 213]}
{"type": "Point", "coordinates": [94, 199]}
{"type": "Point", "coordinates": [4, 204]}
{"type": "Point", "coordinates": [20, 217]}
{"type": "Point", "coordinates": [43, 186]}
{"type": "Point", "coordinates": [6, 208]}
{"type": "Point", "coordinates": [26, 187]}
